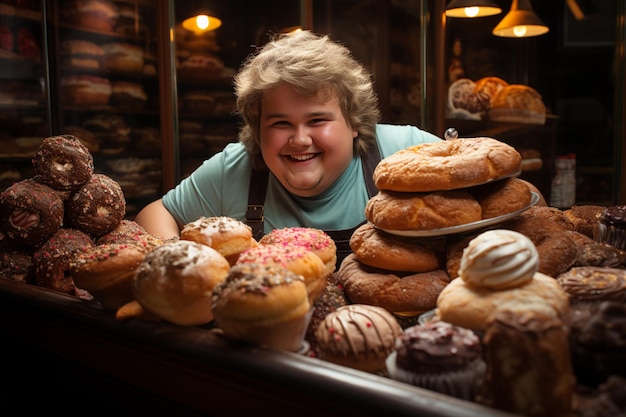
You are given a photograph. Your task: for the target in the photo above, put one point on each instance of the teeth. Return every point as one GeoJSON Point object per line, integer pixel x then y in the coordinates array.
{"type": "Point", "coordinates": [303, 157]}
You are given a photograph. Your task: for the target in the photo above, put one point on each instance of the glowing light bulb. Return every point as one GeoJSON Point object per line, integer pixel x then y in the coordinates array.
{"type": "Point", "coordinates": [520, 31]}
{"type": "Point", "coordinates": [202, 21]}
{"type": "Point", "coordinates": [471, 11]}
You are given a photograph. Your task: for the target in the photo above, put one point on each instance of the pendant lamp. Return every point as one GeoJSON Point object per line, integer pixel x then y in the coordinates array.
{"type": "Point", "coordinates": [472, 8]}
{"type": "Point", "coordinates": [202, 21]}
{"type": "Point", "coordinates": [520, 22]}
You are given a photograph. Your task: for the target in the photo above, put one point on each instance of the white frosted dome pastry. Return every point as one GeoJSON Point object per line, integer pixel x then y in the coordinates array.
{"type": "Point", "coordinates": [499, 259]}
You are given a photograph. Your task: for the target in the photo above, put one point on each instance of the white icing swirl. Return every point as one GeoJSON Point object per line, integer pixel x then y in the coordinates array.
{"type": "Point", "coordinates": [499, 259]}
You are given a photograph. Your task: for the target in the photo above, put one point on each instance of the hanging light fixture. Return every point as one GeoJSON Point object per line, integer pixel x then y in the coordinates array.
{"type": "Point", "coordinates": [520, 22]}
{"type": "Point", "coordinates": [472, 8]}
{"type": "Point", "coordinates": [202, 21]}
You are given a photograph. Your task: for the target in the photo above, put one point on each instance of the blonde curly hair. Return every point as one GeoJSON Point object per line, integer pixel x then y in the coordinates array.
{"type": "Point", "coordinates": [314, 65]}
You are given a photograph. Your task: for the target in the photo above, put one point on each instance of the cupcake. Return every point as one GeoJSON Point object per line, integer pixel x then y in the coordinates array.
{"type": "Point", "coordinates": [441, 357]}
{"type": "Point", "coordinates": [612, 226]}
{"type": "Point", "coordinates": [358, 336]}
{"type": "Point", "coordinates": [266, 305]}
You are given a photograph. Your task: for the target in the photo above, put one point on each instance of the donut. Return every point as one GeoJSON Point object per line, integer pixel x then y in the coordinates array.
{"type": "Point", "coordinates": [375, 248]}
{"type": "Point", "coordinates": [98, 207]}
{"type": "Point", "coordinates": [401, 294]}
{"type": "Point", "coordinates": [105, 271]}
{"type": "Point", "coordinates": [584, 218]}
{"type": "Point", "coordinates": [557, 251]}
{"type": "Point", "coordinates": [30, 212]}
{"type": "Point", "coordinates": [447, 165]}
{"type": "Point", "coordinates": [502, 197]}
{"type": "Point", "coordinates": [63, 163]}
{"type": "Point", "coordinates": [130, 232]}
{"type": "Point", "coordinates": [297, 259]}
{"type": "Point", "coordinates": [266, 305]}
{"type": "Point", "coordinates": [52, 260]}
{"type": "Point", "coordinates": [175, 281]}
{"type": "Point", "coordinates": [226, 235]}
{"type": "Point", "coordinates": [358, 336]}
{"type": "Point", "coordinates": [553, 214]}
{"type": "Point", "coordinates": [422, 211]}
{"type": "Point", "coordinates": [315, 240]}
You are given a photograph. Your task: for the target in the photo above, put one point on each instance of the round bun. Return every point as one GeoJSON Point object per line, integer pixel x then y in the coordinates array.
{"type": "Point", "coordinates": [422, 211]}
{"type": "Point", "coordinates": [63, 163]}
{"type": "Point", "coordinates": [30, 212]}
{"type": "Point", "coordinates": [97, 207]}
{"type": "Point", "coordinates": [98, 15]}
{"type": "Point", "coordinates": [263, 304]}
{"type": "Point", "coordinates": [176, 280]}
{"type": "Point", "coordinates": [315, 240]}
{"type": "Point", "coordinates": [469, 306]}
{"type": "Point", "coordinates": [127, 93]}
{"type": "Point", "coordinates": [447, 165]}
{"type": "Point", "coordinates": [358, 336]}
{"type": "Point", "coordinates": [81, 53]}
{"type": "Point", "coordinates": [486, 89]}
{"type": "Point", "coordinates": [123, 57]}
{"type": "Point", "coordinates": [297, 259]}
{"type": "Point", "coordinates": [519, 104]}
{"type": "Point", "coordinates": [105, 272]}
{"type": "Point", "coordinates": [378, 249]}
{"type": "Point", "coordinates": [85, 89]}
{"type": "Point", "coordinates": [226, 235]}
{"type": "Point", "coordinates": [502, 197]}
{"type": "Point", "coordinates": [406, 294]}
{"type": "Point", "coordinates": [462, 102]}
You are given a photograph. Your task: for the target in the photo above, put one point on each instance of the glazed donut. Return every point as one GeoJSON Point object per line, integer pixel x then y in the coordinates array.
{"type": "Point", "coordinates": [502, 197]}
{"type": "Point", "coordinates": [422, 211]}
{"type": "Point", "coordinates": [105, 271]}
{"type": "Point", "coordinates": [315, 240]}
{"type": "Point", "coordinates": [358, 336]}
{"type": "Point", "coordinates": [378, 249]}
{"type": "Point", "coordinates": [97, 207]}
{"type": "Point", "coordinates": [557, 251]}
{"type": "Point", "coordinates": [447, 165]}
{"type": "Point", "coordinates": [31, 212]}
{"type": "Point", "coordinates": [407, 294]}
{"type": "Point", "coordinates": [584, 218]}
{"type": "Point", "coordinates": [226, 235]}
{"type": "Point", "coordinates": [263, 304]}
{"type": "Point", "coordinates": [297, 259]}
{"type": "Point", "coordinates": [176, 280]}
{"type": "Point", "coordinates": [63, 163]}
{"type": "Point", "coordinates": [130, 232]}
{"type": "Point", "coordinates": [52, 260]}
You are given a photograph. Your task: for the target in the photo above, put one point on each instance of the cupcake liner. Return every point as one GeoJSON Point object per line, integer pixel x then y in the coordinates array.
{"type": "Point", "coordinates": [612, 235]}
{"type": "Point", "coordinates": [463, 383]}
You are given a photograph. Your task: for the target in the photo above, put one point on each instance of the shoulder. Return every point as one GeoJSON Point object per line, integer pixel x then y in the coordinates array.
{"type": "Point", "coordinates": [392, 138]}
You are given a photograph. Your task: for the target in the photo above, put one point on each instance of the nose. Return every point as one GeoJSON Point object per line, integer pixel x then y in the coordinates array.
{"type": "Point", "coordinates": [301, 136]}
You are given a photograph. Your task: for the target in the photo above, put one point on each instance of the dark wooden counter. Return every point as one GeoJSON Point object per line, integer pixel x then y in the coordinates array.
{"type": "Point", "coordinates": [65, 354]}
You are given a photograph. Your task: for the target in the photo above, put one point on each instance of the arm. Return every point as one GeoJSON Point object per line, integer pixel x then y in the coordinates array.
{"type": "Point", "coordinates": [156, 220]}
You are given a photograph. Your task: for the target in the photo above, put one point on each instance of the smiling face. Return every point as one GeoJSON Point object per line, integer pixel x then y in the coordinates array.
{"type": "Point", "coordinates": [305, 141]}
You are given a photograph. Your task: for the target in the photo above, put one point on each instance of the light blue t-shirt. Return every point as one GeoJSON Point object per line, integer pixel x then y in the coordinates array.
{"type": "Point", "coordinates": [219, 187]}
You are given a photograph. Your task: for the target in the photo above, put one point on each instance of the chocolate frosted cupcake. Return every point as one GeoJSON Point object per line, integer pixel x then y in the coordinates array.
{"type": "Point", "coordinates": [593, 284]}
{"type": "Point", "coordinates": [440, 357]}
{"type": "Point", "coordinates": [612, 226]}
{"type": "Point", "coordinates": [358, 336]}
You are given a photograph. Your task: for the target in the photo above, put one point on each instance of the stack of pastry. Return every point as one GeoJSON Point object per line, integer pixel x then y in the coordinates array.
{"type": "Point", "coordinates": [422, 189]}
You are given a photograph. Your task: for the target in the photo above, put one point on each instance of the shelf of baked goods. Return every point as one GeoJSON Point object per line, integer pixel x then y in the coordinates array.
{"type": "Point", "coordinates": [11, 11]}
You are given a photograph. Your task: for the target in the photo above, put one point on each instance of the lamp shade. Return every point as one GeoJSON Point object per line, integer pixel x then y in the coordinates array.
{"type": "Point", "coordinates": [520, 22]}
{"type": "Point", "coordinates": [472, 8]}
{"type": "Point", "coordinates": [202, 22]}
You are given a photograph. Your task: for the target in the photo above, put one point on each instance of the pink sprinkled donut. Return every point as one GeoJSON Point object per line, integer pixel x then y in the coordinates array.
{"type": "Point", "coordinates": [315, 240]}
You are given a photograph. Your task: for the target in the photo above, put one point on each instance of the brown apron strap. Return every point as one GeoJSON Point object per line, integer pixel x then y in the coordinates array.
{"type": "Point", "coordinates": [256, 199]}
{"type": "Point", "coordinates": [372, 158]}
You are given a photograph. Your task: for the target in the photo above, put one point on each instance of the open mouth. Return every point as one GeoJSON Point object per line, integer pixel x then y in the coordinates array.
{"type": "Point", "coordinates": [303, 157]}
